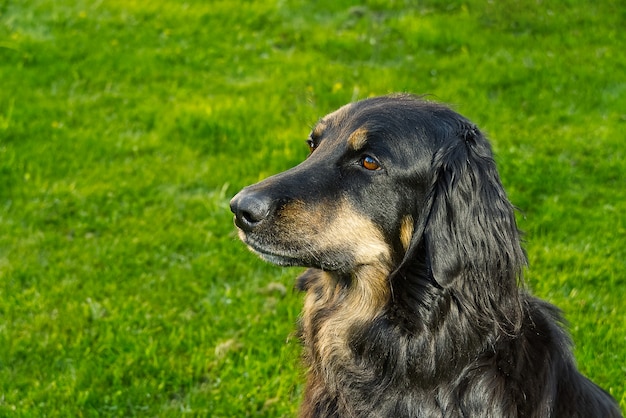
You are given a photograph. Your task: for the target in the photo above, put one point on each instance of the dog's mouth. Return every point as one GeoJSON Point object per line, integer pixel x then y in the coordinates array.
{"type": "Point", "coordinates": [289, 257]}
{"type": "Point", "coordinates": [271, 255]}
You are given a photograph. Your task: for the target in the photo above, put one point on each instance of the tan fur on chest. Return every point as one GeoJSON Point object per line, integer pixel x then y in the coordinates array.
{"type": "Point", "coordinates": [331, 311]}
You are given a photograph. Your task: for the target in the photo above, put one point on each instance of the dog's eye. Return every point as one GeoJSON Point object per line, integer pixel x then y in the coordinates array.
{"type": "Point", "coordinates": [369, 163]}
{"type": "Point", "coordinates": [311, 145]}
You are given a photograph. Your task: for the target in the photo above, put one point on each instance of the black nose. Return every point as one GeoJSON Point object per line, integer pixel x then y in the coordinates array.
{"type": "Point", "coordinates": [250, 209]}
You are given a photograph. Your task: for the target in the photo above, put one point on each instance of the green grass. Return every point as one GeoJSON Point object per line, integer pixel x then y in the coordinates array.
{"type": "Point", "coordinates": [126, 126]}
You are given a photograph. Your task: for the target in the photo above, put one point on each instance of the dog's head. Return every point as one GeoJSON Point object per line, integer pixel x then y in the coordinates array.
{"type": "Point", "coordinates": [386, 177]}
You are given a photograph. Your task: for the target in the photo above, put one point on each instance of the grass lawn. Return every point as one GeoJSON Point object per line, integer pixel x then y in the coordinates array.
{"type": "Point", "coordinates": [126, 127]}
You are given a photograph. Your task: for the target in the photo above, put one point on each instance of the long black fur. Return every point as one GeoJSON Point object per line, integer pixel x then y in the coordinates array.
{"type": "Point", "coordinates": [458, 336]}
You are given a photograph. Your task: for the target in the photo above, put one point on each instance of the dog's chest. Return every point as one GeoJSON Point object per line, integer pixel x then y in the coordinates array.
{"type": "Point", "coordinates": [333, 311]}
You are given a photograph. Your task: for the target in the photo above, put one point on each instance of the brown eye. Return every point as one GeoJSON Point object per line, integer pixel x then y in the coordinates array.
{"type": "Point", "coordinates": [370, 163]}
{"type": "Point", "coordinates": [311, 145]}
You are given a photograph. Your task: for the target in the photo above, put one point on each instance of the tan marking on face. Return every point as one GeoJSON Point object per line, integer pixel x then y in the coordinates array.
{"type": "Point", "coordinates": [358, 139]}
{"type": "Point", "coordinates": [333, 226]}
{"type": "Point", "coordinates": [406, 231]}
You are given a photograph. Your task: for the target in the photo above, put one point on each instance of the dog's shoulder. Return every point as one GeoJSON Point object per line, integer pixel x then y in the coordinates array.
{"type": "Point", "coordinates": [545, 346]}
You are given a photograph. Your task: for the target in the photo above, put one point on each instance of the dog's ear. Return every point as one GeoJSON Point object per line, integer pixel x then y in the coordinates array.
{"type": "Point", "coordinates": [470, 228]}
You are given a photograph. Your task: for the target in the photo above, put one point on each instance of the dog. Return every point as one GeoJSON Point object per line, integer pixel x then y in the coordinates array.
{"type": "Point", "coordinates": [415, 305]}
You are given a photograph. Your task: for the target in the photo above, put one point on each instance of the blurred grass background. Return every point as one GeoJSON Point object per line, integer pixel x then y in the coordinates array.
{"type": "Point", "coordinates": [126, 126]}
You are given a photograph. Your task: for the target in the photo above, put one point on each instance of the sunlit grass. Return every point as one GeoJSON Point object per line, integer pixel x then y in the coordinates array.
{"type": "Point", "coordinates": [125, 128]}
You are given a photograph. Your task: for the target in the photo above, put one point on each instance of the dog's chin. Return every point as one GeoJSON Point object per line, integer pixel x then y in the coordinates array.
{"type": "Point", "coordinates": [280, 258]}
{"type": "Point", "coordinates": [286, 257]}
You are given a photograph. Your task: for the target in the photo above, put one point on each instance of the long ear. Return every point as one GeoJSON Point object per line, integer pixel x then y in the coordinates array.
{"type": "Point", "coordinates": [471, 229]}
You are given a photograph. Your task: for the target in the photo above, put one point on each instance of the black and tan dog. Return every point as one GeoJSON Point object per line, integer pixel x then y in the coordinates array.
{"type": "Point", "coordinates": [413, 306]}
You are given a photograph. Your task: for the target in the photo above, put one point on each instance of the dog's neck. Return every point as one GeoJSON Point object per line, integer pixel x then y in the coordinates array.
{"type": "Point", "coordinates": [349, 325]}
